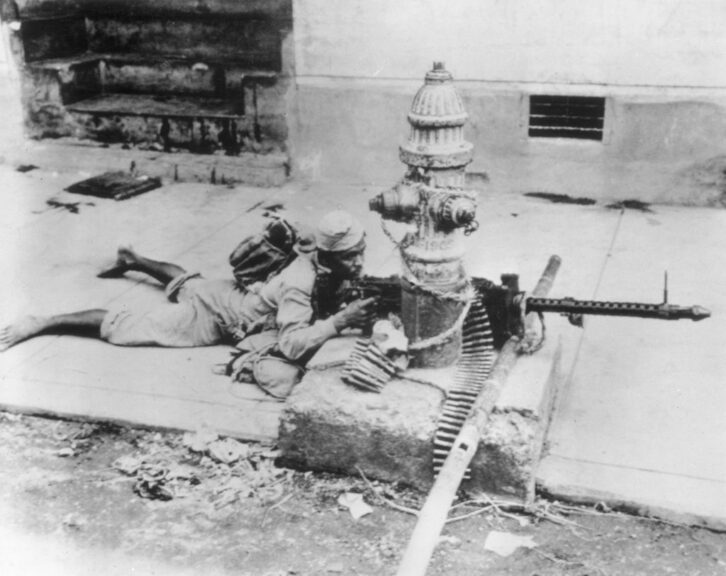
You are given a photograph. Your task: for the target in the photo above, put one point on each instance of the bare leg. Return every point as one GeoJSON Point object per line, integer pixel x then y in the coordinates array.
{"type": "Point", "coordinates": [127, 259]}
{"type": "Point", "coordinates": [29, 326]}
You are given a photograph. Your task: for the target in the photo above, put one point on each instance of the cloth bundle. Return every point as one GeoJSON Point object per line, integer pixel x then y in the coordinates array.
{"type": "Point", "coordinates": [256, 360]}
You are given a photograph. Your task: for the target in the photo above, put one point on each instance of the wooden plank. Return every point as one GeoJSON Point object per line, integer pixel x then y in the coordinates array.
{"type": "Point", "coordinates": [142, 105]}
{"type": "Point", "coordinates": [432, 516]}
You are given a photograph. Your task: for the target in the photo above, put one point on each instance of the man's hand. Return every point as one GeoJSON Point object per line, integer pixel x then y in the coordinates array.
{"type": "Point", "coordinates": [357, 314]}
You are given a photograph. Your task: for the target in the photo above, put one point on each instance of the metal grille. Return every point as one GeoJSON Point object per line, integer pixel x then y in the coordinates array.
{"type": "Point", "coordinates": [579, 117]}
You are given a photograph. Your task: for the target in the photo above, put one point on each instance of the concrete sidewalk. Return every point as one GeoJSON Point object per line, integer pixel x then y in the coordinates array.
{"type": "Point", "coordinates": [51, 257]}
{"type": "Point", "coordinates": [638, 421]}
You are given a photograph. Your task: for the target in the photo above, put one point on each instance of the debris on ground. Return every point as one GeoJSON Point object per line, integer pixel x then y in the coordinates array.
{"type": "Point", "coordinates": [474, 179]}
{"type": "Point", "coordinates": [152, 482]}
{"type": "Point", "coordinates": [561, 198]}
{"type": "Point", "coordinates": [354, 503]}
{"type": "Point", "coordinates": [228, 451]}
{"type": "Point", "coordinates": [128, 465]}
{"type": "Point", "coordinates": [73, 521]}
{"type": "Point", "coordinates": [72, 207]}
{"type": "Point", "coordinates": [199, 441]}
{"type": "Point", "coordinates": [117, 185]}
{"type": "Point", "coordinates": [77, 439]}
{"type": "Point", "coordinates": [630, 205]}
{"type": "Point", "coordinates": [26, 168]}
{"type": "Point", "coordinates": [267, 207]}
{"type": "Point", "coordinates": [505, 543]}
{"type": "Point", "coordinates": [226, 470]}
{"type": "Point", "coordinates": [251, 517]}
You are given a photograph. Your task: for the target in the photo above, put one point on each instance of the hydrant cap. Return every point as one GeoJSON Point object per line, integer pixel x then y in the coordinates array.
{"type": "Point", "coordinates": [437, 103]}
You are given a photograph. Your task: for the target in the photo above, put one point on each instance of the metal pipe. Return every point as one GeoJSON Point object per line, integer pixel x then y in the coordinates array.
{"type": "Point", "coordinates": [433, 515]}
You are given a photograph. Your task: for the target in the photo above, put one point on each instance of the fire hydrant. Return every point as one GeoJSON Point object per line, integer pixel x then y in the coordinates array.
{"type": "Point", "coordinates": [433, 199]}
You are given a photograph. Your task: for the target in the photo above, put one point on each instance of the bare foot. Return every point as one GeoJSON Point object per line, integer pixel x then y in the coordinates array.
{"type": "Point", "coordinates": [22, 329]}
{"type": "Point", "coordinates": [126, 258]}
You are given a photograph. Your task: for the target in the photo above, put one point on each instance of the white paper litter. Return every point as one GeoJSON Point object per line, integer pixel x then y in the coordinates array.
{"type": "Point", "coordinates": [128, 464]}
{"type": "Point", "coordinates": [228, 450]}
{"type": "Point", "coordinates": [199, 441]}
{"type": "Point", "coordinates": [355, 504]}
{"type": "Point", "coordinates": [504, 543]}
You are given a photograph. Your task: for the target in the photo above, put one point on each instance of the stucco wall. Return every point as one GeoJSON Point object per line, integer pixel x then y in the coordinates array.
{"type": "Point", "coordinates": [660, 64]}
{"type": "Point", "coordinates": [614, 42]}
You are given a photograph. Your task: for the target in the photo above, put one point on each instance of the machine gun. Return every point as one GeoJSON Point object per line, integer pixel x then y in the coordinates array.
{"type": "Point", "coordinates": [387, 292]}
{"type": "Point", "coordinates": [506, 304]}
{"type": "Point", "coordinates": [575, 309]}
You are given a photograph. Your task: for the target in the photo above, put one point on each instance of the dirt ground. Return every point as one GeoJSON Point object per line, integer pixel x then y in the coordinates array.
{"type": "Point", "coordinates": [82, 498]}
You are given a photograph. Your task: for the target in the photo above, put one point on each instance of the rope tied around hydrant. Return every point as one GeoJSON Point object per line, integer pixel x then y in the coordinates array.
{"type": "Point", "coordinates": [465, 296]}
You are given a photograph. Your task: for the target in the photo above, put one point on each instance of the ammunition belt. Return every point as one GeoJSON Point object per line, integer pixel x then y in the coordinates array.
{"type": "Point", "coordinates": [473, 367]}
{"type": "Point", "coordinates": [368, 368]}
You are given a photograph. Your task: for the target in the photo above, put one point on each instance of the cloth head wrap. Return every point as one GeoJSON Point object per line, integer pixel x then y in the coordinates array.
{"type": "Point", "coordinates": [338, 231]}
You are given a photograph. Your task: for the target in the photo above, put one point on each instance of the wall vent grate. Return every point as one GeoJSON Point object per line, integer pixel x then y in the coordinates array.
{"type": "Point", "coordinates": [579, 117]}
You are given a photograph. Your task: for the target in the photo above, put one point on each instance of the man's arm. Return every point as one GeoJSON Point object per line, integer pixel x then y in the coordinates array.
{"type": "Point", "coordinates": [297, 336]}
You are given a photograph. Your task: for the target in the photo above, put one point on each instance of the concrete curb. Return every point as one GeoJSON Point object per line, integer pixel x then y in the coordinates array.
{"type": "Point", "coordinates": [329, 425]}
{"type": "Point", "coordinates": [263, 170]}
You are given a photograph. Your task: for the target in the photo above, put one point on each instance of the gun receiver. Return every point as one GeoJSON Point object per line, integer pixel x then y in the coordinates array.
{"type": "Point", "coordinates": [386, 290]}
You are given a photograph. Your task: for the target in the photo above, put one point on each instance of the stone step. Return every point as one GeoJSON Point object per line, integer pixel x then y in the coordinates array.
{"type": "Point", "coordinates": [194, 123]}
{"type": "Point", "coordinates": [182, 75]}
{"type": "Point", "coordinates": [154, 73]}
{"type": "Point", "coordinates": [162, 106]}
{"type": "Point", "coordinates": [132, 98]}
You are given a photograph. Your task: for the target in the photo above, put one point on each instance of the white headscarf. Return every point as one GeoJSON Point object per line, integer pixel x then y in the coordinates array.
{"type": "Point", "coordinates": [338, 231]}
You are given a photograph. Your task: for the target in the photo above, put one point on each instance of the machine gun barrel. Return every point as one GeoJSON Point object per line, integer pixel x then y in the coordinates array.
{"type": "Point", "coordinates": [570, 306]}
